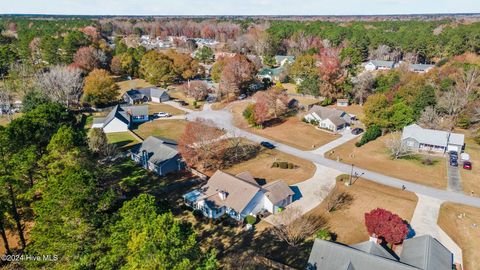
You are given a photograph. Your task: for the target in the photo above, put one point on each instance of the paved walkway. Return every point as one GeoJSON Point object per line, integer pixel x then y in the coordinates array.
{"type": "Point", "coordinates": [425, 219]}
{"type": "Point", "coordinates": [454, 182]}
{"type": "Point", "coordinates": [346, 136]}
{"type": "Point", "coordinates": [312, 190]}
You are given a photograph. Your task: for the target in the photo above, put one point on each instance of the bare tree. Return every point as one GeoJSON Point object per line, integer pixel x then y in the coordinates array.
{"type": "Point", "coordinates": [429, 118]}
{"type": "Point", "coordinates": [469, 80]}
{"type": "Point", "coordinates": [196, 89]}
{"type": "Point", "coordinates": [396, 147]}
{"type": "Point", "coordinates": [62, 84]}
{"type": "Point", "coordinates": [5, 103]}
{"type": "Point", "coordinates": [293, 228]}
{"type": "Point", "coordinates": [453, 102]}
{"type": "Point", "coordinates": [334, 198]}
{"type": "Point", "coordinates": [363, 86]}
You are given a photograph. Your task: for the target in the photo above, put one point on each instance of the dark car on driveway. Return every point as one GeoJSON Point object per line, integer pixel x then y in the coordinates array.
{"type": "Point", "coordinates": [453, 154]}
{"type": "Point", "coordinates": [357, 131]}
{"type": "Point", "coordinates": [453, 162]}
{"type": "Point", "coordinates": [267, 145]}
{"type": "Point", "coordinates": [467, 165]}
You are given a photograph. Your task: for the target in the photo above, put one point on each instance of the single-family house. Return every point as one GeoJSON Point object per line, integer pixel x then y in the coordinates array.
{"type": "Point", "coordinates": [418, 253]}
{"type": "Point", "coordinates": [342, 102]}
{"type": "Point", "coordinates": [282, 60]}
{"type": "Point", "coordinates": [158, 155]}
{"type": "Point", "coordinates": [379, 65]}
{"type": "Point", "coordinates": [121, 118]}
{"type": "Point", "coordinates": [329, 118]}
{"type": "Point", "coordinates": [153, 94]}
{"type": "Point", "coordinates": [420, 68]}
{"type": "Point", "coordinates": [238, 196]}
{"type": "Point", "coordinates": [272, 74]}
{"type": "Point", "coordinates": [423, 139]}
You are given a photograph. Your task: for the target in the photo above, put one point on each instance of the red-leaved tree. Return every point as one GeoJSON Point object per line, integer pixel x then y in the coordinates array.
{"type": "Point", "coordinates": [387, 225]}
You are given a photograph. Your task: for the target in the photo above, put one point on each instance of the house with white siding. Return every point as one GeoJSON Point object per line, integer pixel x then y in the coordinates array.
{"type": "Point", "coordinates": [429, 140]}
{"type": "Point", "coordinates": [379, 65]}
{"type": "Point", "coordinates": [329, 118]}
{"type": "Point", "coordinates": [238, 196]}
{"type": "Point", "coordinates": [121, 118]}
{"type": "Point", "coordinates": [153, 94]}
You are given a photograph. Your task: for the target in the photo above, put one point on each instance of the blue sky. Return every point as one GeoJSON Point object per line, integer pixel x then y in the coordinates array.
{"type": "Point", "coordinates": [236, 7]}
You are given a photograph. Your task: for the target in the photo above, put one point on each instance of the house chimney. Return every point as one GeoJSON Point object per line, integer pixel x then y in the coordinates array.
{"type": "Point", "coordinates": [373, 238]}
{"type": "Point", "coordinates": [222, 194]}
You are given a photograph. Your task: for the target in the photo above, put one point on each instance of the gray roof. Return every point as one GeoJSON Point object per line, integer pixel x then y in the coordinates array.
{"type": "Point", "coordinates": [149, 92]}
{"type": "Point", "coordinates": [382, 63]}
{"type": "Point", "coordinates": [431, 136]}
{"type": "Point", "coordinates": [422, 252]}
{"type": "Point", "coordinates": [123, 113]}
{"type": "Point", "coordinates": [421, 67]}
{"type": "Point", "coordinates": [271, 71]}
{"type": "Point", "coordinates": [338, 117]}
{"type": "Point", "coordinates": [159, 149]}
{"type": "Point", "coordinates": [99, 120]}
{"type": "Point", "coordinates": [425, 252]}
{"type": "Point", "coordinates": [277, 191]}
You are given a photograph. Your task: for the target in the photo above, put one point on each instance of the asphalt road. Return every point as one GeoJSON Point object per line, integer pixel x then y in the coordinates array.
{"type": "Point", "coordinates": [224, 120]}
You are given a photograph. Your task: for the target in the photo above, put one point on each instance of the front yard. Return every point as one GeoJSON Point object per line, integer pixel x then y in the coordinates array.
{"type": "Point", "coordinates": [159, 107]}
{"type": "Point", "coordinates": [176, 93]}
{"type": "Point", "coordinates": [461, 223]}
{"type": "Point", "coordinates": [292, 131]}
{"type": "Point", "coordinates": [169, 129]}
{"type": "Point", "coordinates": [348, 223]}
{"type": "Point", "coordinates": [373, 156]}
{"type": "Point", "coordinates": [261, 167]}
{"type": "Point", "coordinates": [471, 179]}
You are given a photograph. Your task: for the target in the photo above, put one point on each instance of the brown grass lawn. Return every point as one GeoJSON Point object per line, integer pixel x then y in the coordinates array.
{"type": "Point", "coordinates": [373, 156]}
{"type": "Point", "coordinates": [132, 84]}
{"type": "Point", "coordinates": [292, 131]}
{"type": "Point", "coordinates": [158, 107]}
{"type": "Point", "coordinates": [471, 179]}
{"type": "Point", "coordinates": [348, 222]}
{"type": "Point", "coordinates": [169, 129]}
{"type": "Point", "coordinates": [261, 167]}
{"type": "Point", "coordinates": [4, 120]}
{"type": "Point", "coordinates": [122, 139]}
{"type": "Point", "coordinates": [463, 231]}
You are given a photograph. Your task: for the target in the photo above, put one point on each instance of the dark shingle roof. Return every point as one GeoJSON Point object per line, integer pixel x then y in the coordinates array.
{"type": "Point", "coordinates": [159, 149]}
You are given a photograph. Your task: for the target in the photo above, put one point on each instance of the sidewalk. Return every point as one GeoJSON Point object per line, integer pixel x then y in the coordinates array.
{"type": "Point", "coordinates": [346, 136]}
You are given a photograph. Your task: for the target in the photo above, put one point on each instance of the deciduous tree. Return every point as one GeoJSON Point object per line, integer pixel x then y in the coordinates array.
{"type": "Point", "coordinates": [99, 88]}
{"type": "Point", "coordinates": [89, 58]}
{"type": "Point", "coordinates": [61, 84]}
{"type": "Point", "coordinates": [384, 224]}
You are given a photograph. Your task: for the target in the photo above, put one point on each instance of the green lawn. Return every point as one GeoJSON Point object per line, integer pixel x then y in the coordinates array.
{"type": "Point", "coordinates": [169, 129]}
{"type": "Point", "coordinates": [121, 139]}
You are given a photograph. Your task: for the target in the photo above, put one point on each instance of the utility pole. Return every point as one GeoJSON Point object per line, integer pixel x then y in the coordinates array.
{"type": "Point", "coordinates": [351, 176]}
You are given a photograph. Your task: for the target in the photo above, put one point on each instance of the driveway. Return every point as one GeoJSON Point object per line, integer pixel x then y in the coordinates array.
{"type": "Point", "coordinates": [311, 192]}
{"type": "Point", "coordinates": [425, 219]}
{"type": "Point", "coordinates": [454, 180]}
{"type": "Point", "coordinates": [346, 136]}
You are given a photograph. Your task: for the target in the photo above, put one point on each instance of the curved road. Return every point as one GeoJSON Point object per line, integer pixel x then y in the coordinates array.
{"type": "Point", "coordinates": [223, 119]}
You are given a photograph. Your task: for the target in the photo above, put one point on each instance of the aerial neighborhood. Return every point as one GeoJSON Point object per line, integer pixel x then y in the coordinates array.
{"type": "Point", "coordinates": [240, 142]}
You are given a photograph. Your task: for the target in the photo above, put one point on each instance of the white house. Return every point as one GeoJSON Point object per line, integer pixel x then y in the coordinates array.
{"type": "Point", "coordinates": [238, 196]}
{"type": "Point", "coordinates": [120, 119]}
{"type": "Point", "coordinates": [152, 94]}
{"type": "Point", "coordinates": [329, 118]}
{"type": "Point", "coordinates": [379, 65]}
{"type": "Point", "coordinates": [420, 68]}
{"type": "Point", "coordinates": [422, 139]}
{"type": "Point", "coordinates": [282, 60]}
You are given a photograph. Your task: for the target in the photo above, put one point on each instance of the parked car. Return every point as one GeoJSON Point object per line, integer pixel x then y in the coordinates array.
{"type": "Point", "coordinates": [242, 96]}
{"type": "Point", "coordinates": [467, 165]}
{"type": "Point", "coordinates": [453, 154]}
{"type": "Point", "coordinates": [163, 115]}
{"type": "Point", "coordinates": [357, 131]}
{"type": "Point", "coordinates": [453, 162]}
{"type": "Point", "coordinates": [267, 145]}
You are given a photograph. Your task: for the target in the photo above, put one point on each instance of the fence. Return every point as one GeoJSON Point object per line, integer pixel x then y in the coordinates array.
{"type": "Point", "coordinates": [199, 174]}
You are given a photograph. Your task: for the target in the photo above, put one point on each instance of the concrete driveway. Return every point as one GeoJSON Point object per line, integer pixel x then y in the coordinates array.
{"type": "Point", "coordinates": [312, 191]}
{"type": "Point", "coordinates": [454, 180]}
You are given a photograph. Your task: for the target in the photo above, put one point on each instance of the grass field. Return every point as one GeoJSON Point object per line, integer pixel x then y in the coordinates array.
{"type": "Point", "coordinates": [292, 131]}
{"type": "Point", "coordinates": [461, 223]}
{"type": "Point", "coordinates": [373, 156]}
{"type": "Point", "coordinates": [348, 223]}
{"type": "Point", "coordinates": [471, 179]}
{"type": "Point", "coordinates": [175, 92]}
{"type": "Point", "coordinates": [169, 129]}
{"type": "Point", "coordinates": [121, 139]}
{"type": "Point", "coordinates": [4, 120]}
{"type": "Point", "coordinates": [261, 167]}
{"type": "Point", "coordinates": [159, 107]}
{"type": "Point", "coordinates": [132, 84]}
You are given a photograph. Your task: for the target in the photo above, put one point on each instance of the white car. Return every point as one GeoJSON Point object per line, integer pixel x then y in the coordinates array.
{"type": "Point", "coordinates": [242, 96]}
{"type": "Point", "coordinates": [163, 115]}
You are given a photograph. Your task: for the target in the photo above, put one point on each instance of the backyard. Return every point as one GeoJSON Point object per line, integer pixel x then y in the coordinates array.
{"type": "Point", "coordinates": [126, 85]}
{"type": "Point", "coordinates": [122, 139]}
{"type": "Point", "coordinates": [348, 222]}
{"type": "Point", "coordinates": [169, 129]}
{"type": "Point", "coordinates": [159, 107]}
{"type": "Point", "coordinates": [373, 156]}
{"type": "Point", "coordinates": [292, 131]}
{"type": "Point", "coordinates": [261, 167]}
{"type": "Point", "coordinates": [461, 223]}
